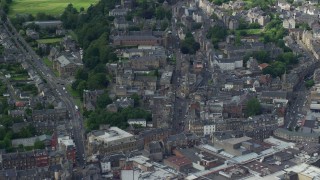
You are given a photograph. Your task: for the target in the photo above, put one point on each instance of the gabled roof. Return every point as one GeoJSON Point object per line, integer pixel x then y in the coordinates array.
{"type": "Point", "coordinates": [63, 61]}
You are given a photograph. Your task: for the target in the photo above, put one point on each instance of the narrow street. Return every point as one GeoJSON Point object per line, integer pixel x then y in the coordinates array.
{"type": "Point", "coordinates": [57, 89]}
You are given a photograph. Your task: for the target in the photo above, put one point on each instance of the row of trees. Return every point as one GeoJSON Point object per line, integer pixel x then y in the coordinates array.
{"type": "Point", "coordinates": [243, 24]}
{"type": "Point", "coordinates": [3, 88]}
{"type": "Point", "coordinates": [149, 10]}
{"type": "Point", "coordinates": [19, 20]}
{"type": "Point", "coordinates": [86, 79]}
{"type": "Point", "coordinates": [1, 50]}
{"type": "Point", "coordinates": [4, 5]}
{"type": "Point", "coordinates": [118, 119]}
{"type": "Point", "coordinates": [274, 31]}
{"type": "Point", "coordinates": [219, 2]}
{"type": "Point", "coordinates": [216, 34]}
{"type": "Point", "coordinates": [264, 4]}
{"type": "Point", "coordinates": [253, 107]}
{"type": "Point", "coordinates": [93, 29]}
{"type": "Point", "coordinates": [6, 133]}
{"type": "Point", "coordinates": [282, 63]}
{"type": "Point", "coordinates": [189, 45]}
{"type": "Point", "coordinates": [276, 67]}
{"type": "Point", "coordinates": [260, 56]}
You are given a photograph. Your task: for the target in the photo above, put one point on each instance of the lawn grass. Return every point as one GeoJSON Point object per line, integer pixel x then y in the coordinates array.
{"type": "Point", "coordinates": [49, 41]}
{"type": "Point", "coordinates": [73, 93]}
{"type": "Point", "coordinates": [73, 35]}
{"type": "Point", "coordinates": [254, 31]}
{"type": "Point", "coordinates": [75, 96]}
{"type": "Point", "coordinates": [52, 7]}
{"type": "Point", "coordinates": [249, 2]}
{"type": "Point", "coordinates": [56, 73]}
{"type": "Point", "coordinates": [251, 31]}
{"type": "Point", "coordinates": [49, 63]}
{"type": "Point", "coordinates": [20, 78]}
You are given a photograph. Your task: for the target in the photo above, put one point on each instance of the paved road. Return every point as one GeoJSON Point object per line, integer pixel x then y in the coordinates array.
{"type": "Point", "coordinates": [180, 103]}
{"type": "Point", "coordinates": [54, 84]}
{"type": "Point", "coordinates": [297, 109]}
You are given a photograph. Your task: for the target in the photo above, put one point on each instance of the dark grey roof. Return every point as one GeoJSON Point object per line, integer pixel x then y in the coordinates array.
{"type": "Point", "coordinates": [182, 136]}
{"type": "Point", "coordinates": [141, 119]}
{"type": "Point", "coordinates": [134, 37]}
{"type": "Point", "coordinates": [277, 94]}
{"type": "Point", "coordinates": [146, 78]}
{"type": "Point", "coordinates": [153, 131]}
{"type": "Point", "coordinates": [155, 145]}
{"type": "Point", "coordinates": [301, 134]}
{"type": "Point", "coordinates": [16, 127]}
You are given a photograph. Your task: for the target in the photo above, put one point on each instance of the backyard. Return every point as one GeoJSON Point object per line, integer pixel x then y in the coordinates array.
{"type": "Point", "coordinates": [49, 64]}
{"type": "Point", "coordinates": [49, 41]}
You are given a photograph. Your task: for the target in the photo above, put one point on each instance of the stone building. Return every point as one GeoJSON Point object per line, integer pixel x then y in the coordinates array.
{"type": "Point", "coordinates": [110, 140]}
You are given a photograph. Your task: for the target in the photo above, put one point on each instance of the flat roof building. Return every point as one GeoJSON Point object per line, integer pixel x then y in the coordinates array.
{"type": "Point", "coordinates": [305, 171]}
{"type": "Point", "coordinates": [111, 140]}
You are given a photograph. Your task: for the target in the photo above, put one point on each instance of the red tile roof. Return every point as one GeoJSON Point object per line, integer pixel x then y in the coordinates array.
{"type": "Point", "coordinates": [179, 161]}
{"type": "Point", "coordinates": [263, 65]}
{"type": "Point", "coordinates": [19, 104]}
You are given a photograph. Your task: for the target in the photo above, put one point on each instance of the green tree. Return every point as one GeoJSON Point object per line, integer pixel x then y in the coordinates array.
{"type": "Point", "coordinates": [214, 16]}
{"type": "Point", "coordinates": [70, 17]}
{"type": "Point", "coordinates": [6, 121]}
{"type": "Point", "coordinates": [97, 81]}
{"type": "Point", "coordinates": [21, 147]}
{"type": "Point", "coordinates": [50, 106]}
{"type": "Point", "coordinates": [219, 2]}
{"type": "Point", "coordinates": [261, 56]}
{"type": "Point", "coordinates": [189, 45]}
{"type": "Point", "coordinates": [39, 106]}
{"type": "Point", "coordinates": [4, 106]}
{"type": "Point", "coordinates": [103, 100]}
{"type": "Point", "coordinates": [160, 13]}
{"type": "Point", "coordinates": [243, 24]}
{"type": "Point", "coordinates": [118, 119]}
{"type": "Point", "coordinates": [274, 31]}
{"type": "Point", "coordinates": [26, 132]}
{"type": "Point", "coordinates": [282, 45]}
{"type": "Point", "coordinates": [39, 145]}
{"type": "Point", "coordinates": [254, 26]}
{"type": "Point", "coordinates": [1, 49]}
{"type": "Point", "coordinates": [309, 83]}
{"type": "Point", "coordinates": [82, 74]}
{"type": "Point", "coordinates": [2, 133]}
{"type": "Point", "coordinates": [263, 4]}
{"type": "Point", "coordinates": [288, 58]}
{"type": "Point", "coordinates": [253, 107]}
{"type": "Point", "coordinates": [44, 17]}
{"type": "Point", "coordinates": [196, 26]}
{"type": "Point", "coordinates": [276, 69]}
{"type": "Point", "coordinates": [303, 26]}
{"type": "Point", "coordinates": [217, 33]}
{"type": "Point", "coordinates": [81, 86]}
{"type": "Point", "coordinates": [136, 99]}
